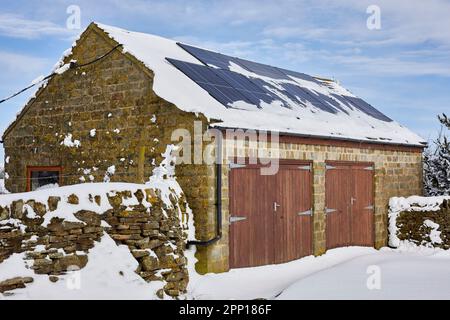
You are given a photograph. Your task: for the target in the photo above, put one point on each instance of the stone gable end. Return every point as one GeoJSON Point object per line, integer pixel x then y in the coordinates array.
{"type": "Point", "coordinates": [132, 126]}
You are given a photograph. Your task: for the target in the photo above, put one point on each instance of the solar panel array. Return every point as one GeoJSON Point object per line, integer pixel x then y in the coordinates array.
{"type": "Point", "coordinates": [225, 86]}
{"type": "Point", "coordinates": [268, 85]}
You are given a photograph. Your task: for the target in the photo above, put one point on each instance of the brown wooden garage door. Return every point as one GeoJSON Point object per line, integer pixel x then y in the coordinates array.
{"type": "Point", "coordinates": [349, 204]}
{"type": "Point", "coordinates": [270, 215]}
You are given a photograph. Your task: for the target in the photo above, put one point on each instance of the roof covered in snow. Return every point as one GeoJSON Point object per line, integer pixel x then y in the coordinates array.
{"type": "Point", "coordinates": [244, 94]}
{"type": "Point", "coordinates": [289, 102]}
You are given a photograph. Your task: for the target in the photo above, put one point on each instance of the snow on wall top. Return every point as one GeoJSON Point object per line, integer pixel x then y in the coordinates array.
{"type": "Point", "coordinates": [414, 203]}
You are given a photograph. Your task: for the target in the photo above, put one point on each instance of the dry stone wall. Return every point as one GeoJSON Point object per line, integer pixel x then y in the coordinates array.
{"type": "Point", "coordinates": [137, 218]}
{"type": "Point", "coordinates": [420, 222]}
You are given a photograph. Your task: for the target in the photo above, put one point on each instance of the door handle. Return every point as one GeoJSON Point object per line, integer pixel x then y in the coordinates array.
{"type": "Point", "coordinates": [276, 206]}
{"type": "Point", "coordinates": [352, 200]}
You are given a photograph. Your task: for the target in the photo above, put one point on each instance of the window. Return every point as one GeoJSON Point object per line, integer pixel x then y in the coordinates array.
{"type": "Point", "coordinates": [38, 177]}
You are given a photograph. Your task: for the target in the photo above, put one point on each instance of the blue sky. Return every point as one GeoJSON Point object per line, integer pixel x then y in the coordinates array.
{"type": "Point", "coordinates": [403, 68]}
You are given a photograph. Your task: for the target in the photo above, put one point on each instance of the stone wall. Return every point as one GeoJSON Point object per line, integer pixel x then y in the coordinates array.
{"type": "Point", "coordinates": [132, 126]}
{"type": "Point", "coordinates": [421, 221]}
{"type": "Point", "coordinates": [138, 218]}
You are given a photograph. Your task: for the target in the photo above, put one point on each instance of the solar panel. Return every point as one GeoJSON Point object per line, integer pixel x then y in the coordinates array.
{"type": "Point", "coordinates": [275, 92]}
{"type": "Point", "coordinates": [343, 101]}
{"type": "Point", "coordinates": [368, 109]}
{"type": "Point", "coordinates": [209, 57]}
{"type": "Point", "coordinates": [299, 75]}
{"type": "Point", "coordinates": [330, 101]}
{"type": "Point", "coordinates": [211, 82]}
{"type": "Point", "coordinates": [304, 95]}
{"type": "Point", "coordinates": [228, 86]}
{"type": "Point", "coordinates": [223, 61]}
{"type": "Point", "coordinates": [248, 88]}
{"type": "Point", "coordinates": [262, 69]}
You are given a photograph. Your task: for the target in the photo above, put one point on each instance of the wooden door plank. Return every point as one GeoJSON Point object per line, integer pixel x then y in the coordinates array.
{"type": "Point", "coordinates": [251, 240]}
{"type": "Point", "coordinates": [337, 194]}
{"type": "Point", "coordinates": [362, 210]}
{"type": "Point", "coordinates": [293, 231]}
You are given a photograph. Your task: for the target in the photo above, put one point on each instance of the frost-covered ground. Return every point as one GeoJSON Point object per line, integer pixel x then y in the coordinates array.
{"type": "Point", "coordinates": [406, 273]}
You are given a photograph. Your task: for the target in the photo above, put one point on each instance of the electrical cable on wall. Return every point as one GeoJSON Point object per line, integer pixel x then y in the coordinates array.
{"type": "Point", "coordinates": [73, 65]}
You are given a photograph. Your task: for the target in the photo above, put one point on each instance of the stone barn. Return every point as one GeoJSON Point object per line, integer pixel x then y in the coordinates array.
{"type": "Point", "coordinates": [305, 165]}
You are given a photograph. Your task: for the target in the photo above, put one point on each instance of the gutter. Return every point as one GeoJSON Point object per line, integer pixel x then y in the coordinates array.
{"type": "Point", "coordinates": [218, 204]}
{"type": "Point", "coordinates": [360, 141]}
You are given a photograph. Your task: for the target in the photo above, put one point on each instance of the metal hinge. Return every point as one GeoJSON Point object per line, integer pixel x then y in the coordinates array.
{"type": "Point", "coordinates": [368, 168]}
{"type": "Point", "coordinates": [236, 165]}
{"type": "Point", "coordinates": [369, 207]}
{"type": "Point", "coordinates": [328, 167]}
{"type": "Point", "coordinates": [237, 219]}
{"type": "Point", "coordinates": [308, 167]}
{"type": "Point", "coordinates": [327, 211]}
{"type": "Point", "coordinates": [305, 213]}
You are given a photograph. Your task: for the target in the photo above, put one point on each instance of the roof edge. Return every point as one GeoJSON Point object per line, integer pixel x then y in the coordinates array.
{"type": "Point", "coordinates": [338, 139]}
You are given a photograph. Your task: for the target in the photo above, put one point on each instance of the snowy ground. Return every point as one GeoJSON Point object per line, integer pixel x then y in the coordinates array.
{"type": "Point", "coordinates": [2, 186]}
{"type": "Point", "coordinates": [407, 273]}
{"type": "Point", "coordinates": [114, 279]}
{"type": "Point", "coordinates": [402, 275]}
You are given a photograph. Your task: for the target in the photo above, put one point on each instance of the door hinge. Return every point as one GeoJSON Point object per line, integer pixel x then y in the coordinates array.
{"type": "Point", "coordinates": [305, 213]}
{"type": "Point", "coordinates": [237, 219]}
{"type": "Point", "coordinates": [308, 167]}
{"type": "Point", "coordinates": [369, 207]}
{"type": "Point", "coordinates": [327, 211]}
{"type": "Point", "coordinates": [369, 168]}
{"type": "Point", "coordinates": [328, 167]}
{"type": "Point", "coordinates": [236, 165]}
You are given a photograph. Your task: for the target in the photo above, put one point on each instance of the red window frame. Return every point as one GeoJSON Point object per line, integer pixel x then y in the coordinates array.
{"type": "Point", "coordinates": [30, 169]}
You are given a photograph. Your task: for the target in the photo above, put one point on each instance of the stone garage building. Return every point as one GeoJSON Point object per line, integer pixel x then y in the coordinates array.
{"type": "Point", "coordinates": [116, 99]}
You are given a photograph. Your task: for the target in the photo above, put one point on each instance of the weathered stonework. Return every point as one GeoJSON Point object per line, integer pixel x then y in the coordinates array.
{"type": "Point", "coordinates": [14, 283]}
{"type": "Point", "coordinates": [411, 226]}
{"type": "Point", "coordinates": [151, 229]}
{"type": "Point", "coordinates": [133, 127]}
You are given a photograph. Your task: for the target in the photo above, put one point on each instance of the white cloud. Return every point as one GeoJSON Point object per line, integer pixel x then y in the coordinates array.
{"type": "Point", "coordinates": [16, 26]}
{"type": "Point", "coordinates": [17, 65]}
{"type": "Point", "coordinates": [403, 22]}
{"type": "Point", "coordinates": [294, 31]}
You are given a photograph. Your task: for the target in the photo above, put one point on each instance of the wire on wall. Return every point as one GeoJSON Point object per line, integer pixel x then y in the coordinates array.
{"type": "Point", "coordinates": [72, 65]}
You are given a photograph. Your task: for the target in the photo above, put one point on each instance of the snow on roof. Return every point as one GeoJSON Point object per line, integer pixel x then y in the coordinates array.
{"type": "Point", "coordinates": [174, 86]}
